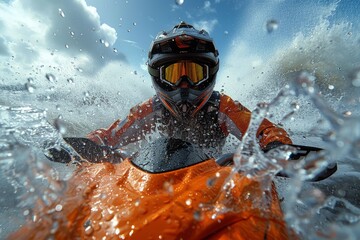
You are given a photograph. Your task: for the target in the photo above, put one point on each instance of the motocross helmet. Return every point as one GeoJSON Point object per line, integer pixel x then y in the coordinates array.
{"type": "Point", "coordinates": [183, 63]}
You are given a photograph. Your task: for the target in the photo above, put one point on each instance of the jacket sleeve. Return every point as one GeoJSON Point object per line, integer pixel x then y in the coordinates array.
{"type": "Point", "coordinates": [235, 119]}
{"type": "Point", "coordinates": [120, 133]}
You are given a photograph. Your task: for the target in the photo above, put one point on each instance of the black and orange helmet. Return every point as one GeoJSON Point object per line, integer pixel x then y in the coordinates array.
{"type": "Point", "coordinates": [183, 54]}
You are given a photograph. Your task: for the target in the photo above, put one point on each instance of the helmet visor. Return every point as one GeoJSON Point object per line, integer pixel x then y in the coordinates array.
{"type": "Point", "coordinates": [195, 72]}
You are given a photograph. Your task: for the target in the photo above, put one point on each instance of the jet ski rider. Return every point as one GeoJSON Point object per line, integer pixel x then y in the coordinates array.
{"type": "Point", "coordinates": [183, 64]}
{"type": "Point", "coordinates": [169, 196]}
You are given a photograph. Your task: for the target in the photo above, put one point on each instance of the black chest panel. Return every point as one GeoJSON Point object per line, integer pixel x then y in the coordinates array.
{"type": "Point", "coordinates": [203, 129]}
{"type": "Point", "coordinates": [184, 142]}
{"type": "Point", "coordinates": [168, 154]}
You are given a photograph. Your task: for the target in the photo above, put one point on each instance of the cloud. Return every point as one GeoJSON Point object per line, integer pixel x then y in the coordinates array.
{"type": "Point", "coordinates": [4, 50]}
{"type": "Point", "coordinates": [53, 32]}
{"type": "Point", "coordinates": [305, 40]}
{"type": "Point", "coordinates": [67, 40]}
{"type": "Point", "coordinates": [207, 7]}
{"type": "Point", "coordinates": [207, 25]}
{"type": "Point", "coordinates": [132, 43]}
{"type": "Point", "coordinates": [174, 7]}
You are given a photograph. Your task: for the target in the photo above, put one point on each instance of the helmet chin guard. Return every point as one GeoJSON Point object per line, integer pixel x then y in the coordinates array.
{"type": "Point", "coordinates": [184, 102]}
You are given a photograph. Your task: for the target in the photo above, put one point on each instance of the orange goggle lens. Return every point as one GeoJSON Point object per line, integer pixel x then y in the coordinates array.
{"type": "Point", "coordinates": [194, 71]}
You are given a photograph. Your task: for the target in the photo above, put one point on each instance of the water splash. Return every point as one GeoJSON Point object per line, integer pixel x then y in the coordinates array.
{"type": "Point", "coordinates": [24, 136]}
{"type": "Point", "coordinates": [50, 77]}
{"type": "Point", "coordinates": [272, 25]}
{"type": "Point", "coordinates": [342, 142]}
{"type": "Point", "coordinates": [303, 206]}
{"type": "Point", "coordinates": [30, 86]}
{"type": "Point", "coordinates": [61, 13]}
{"type": "Point", "coordinates": [179, 2]}
{"type": "Point", "coordinates": [344, 138]}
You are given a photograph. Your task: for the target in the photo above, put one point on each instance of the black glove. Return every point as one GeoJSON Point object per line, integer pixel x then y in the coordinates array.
{"type": "Point", "coordinates": [272, 145]}
{"type": "Point", "coordinates": [87, 149]}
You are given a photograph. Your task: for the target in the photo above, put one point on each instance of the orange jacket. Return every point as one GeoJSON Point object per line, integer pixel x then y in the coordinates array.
{"type": "Point", "coordinates": [231, 118]}
{"type": "Point", "coordinates": [120, 201]}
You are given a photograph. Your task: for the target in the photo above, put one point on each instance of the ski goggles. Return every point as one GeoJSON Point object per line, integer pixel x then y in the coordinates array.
{"type": "Point", "coordinates": [195, 72]}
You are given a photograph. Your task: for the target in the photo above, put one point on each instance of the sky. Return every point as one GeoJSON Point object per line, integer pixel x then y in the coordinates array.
{"type": "Point", "coordinates": [104, 44]}
{"type": "Point", "coordinates": [123, 29]}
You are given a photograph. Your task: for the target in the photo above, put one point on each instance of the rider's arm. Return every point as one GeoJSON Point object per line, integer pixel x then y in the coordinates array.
{"type": "Point", "coordinates": [236, 118]}
{"type": "Point", "coordinates": [131, 129]}
{"type": "Point", "coordinates": [103, 144]}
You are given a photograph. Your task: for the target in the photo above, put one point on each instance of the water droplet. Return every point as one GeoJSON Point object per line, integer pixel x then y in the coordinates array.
{"type": "Point", "coordinates": [58, 207]}
{"type": "Point", "coordinates": [66, 46]}
{"type": "Point", "coordinates": [72, 34]}
{"type": "Point", "coordinates": [134, 23]}
{"type": "Point", "coordinates": [168, 187]}
{"type": "Point", "coordinates": [105, 43]}
{"type": "Point", "coordinates": [188, 202]}
{"type": "Point", "coordinates": [70, 80]}
{"type": "Point", "coordinates": [179, 2]}
{"type": "Point", "coordinates": [30, 87]}
{"type": "Point", "coordinates": [54, 227]}
{"type": "Point", "coordinates": [341, 193]}
{"type": "Point", "coordinates": [347, 113]}
{"type": "Point", "coordinates": [79, 69]}
{"type": "Point", "coordinates": [89, 230]}
{"type": "Point", "coordinates": [271, 25]}
{"type": "Point", "coordinates": [26, 212]}
{"type": "Point", "coordinates": [50, 77]}
{"type": "Point", "coordinates": [62, 14]}
{"type": "Point", "coordinates": [137, 202]}
{"type": "Point", "coordinates": [356, 78]}
{"type": "Point", "coordinates": [295, 106]}
{"type": "Point", "coordinates": [331, 87]}
{"type": "Point", "coordinates": [115, 50]}
{"type": "Point", "coordinates": [108, 215]}
{"type": "Point", "coordinates": [197, 216]}
{"type": "Point", "coordinates": [210, 182]}
{"type": "Point", "coordinates": [60, 125]}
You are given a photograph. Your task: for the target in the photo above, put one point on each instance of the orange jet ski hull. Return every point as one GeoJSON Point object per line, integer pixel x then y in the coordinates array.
{"type": "Point", "coordinates": [120, 201]}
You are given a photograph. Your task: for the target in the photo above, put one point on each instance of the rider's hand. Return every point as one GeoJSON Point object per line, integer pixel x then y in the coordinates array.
{"type": "Point", "coordinates": [88, 150]}
{"type": "Point", "coordinates": [272, 145]}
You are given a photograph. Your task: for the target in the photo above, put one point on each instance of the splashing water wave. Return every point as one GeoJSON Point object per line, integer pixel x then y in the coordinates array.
{"type": "Point", "coordinates": [306, 207]}
{"type": "Point", "coordinates": [26, 134]}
